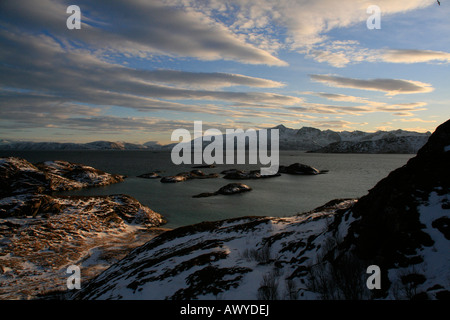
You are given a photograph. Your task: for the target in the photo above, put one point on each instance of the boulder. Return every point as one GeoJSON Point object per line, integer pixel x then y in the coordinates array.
{"type": "Point", "coordinates": [235, 174]}
{"type": "Point", "coordinates": [300, 169]}
{"type": "Point", "coordinates": [150, 175]}
{"type": "Point", "coordinates": [173, 179]}
{"type": "Point", "coordinates": [231, 188]}
{"type": "Point", "coordinates": [183, 176]}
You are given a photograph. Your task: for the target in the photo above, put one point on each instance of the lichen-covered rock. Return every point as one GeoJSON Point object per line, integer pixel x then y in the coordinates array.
{"type": "Point", "coordinates": [65, 230]}
{"type": "Point", "coordinates": [41, 234]}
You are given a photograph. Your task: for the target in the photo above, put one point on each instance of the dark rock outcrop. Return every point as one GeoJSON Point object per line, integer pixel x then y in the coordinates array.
{"type": "Point", "coordinates": [183, 176]}
{"type": "Point", "coordinates": [390, 229]}
{"type": "Point", "coordinates": [236, 174]}
{"type": "Point", "coordinates": [300, 169]}
{"type": "Point", "coordinates": [150, 175]}
{"type": "Point", "coordinates": [231, 188]}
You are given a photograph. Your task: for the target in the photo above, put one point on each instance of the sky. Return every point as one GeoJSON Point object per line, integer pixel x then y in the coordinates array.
{"type": "Point", "coordinates": [137, 70]}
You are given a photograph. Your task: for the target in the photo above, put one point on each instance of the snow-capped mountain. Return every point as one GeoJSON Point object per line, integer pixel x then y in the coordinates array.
{"type": "Point", "coordinates": [401, 226]}
{"type": "Point", "coordinates": [394, 144]}
{"type": "Point", "coordinates": [312, 139]}
{"type": "Point", "coordinates": [306, 139]}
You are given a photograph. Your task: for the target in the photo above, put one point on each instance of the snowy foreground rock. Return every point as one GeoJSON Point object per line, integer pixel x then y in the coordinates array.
{"type": "Point", "coordinates": [401, 225]}
{"type": "Point", "coordinates": [42, 234]}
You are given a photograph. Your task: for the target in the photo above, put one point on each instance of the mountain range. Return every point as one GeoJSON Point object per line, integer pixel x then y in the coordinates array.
{"type": "Point", "coordinates": [305, 139]}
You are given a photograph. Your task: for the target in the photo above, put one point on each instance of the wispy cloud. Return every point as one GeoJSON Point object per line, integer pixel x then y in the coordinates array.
{"type": "Point", "coordinates": [340, 54]}
{"type": "Point", "coordinates": [415, 120]}
{"type": "Point", "coordinates": [414, 56]}
{"type": "Point", "coordinates": [59, 76]}
{"type": "Point", "coordinates": [390, 86]}
{"type": "Point", "coordinates": [141, 28]}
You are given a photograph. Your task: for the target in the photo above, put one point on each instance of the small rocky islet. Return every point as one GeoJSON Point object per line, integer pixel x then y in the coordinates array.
{"type": "Point", "coordinates": [231, 188]}
{"type": "Point", "coordinates": [233, 174]}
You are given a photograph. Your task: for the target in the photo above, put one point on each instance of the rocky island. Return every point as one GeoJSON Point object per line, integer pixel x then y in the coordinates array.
{"type": "Point", "coordinates": [183, 176]}
{"type": "Point", "coordinates": [231, 188]}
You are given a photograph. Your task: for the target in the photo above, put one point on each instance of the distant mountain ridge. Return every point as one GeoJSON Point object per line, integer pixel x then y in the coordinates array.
{"type": "Point", "coordinates": [305, 139]}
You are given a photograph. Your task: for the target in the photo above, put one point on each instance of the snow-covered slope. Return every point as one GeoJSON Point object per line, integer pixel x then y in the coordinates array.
{"type": "Point", "coordinates": [311, 139]}
{"type": "Point", "coordinates": [41, 234]}
{"type": "Point", "coordinates": [231, 259]}
{"type": "Point", "coordinates": [401, 225]}
{"type": "Point", "coordinates": [396, 144]}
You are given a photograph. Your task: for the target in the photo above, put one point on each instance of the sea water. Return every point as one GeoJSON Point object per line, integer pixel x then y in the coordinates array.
{"type": "Point", "coordinates": [349, 176]}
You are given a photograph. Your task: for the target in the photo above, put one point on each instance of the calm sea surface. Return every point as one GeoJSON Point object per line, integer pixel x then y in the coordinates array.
{"type": "Point", "coordinates": [350, 176]}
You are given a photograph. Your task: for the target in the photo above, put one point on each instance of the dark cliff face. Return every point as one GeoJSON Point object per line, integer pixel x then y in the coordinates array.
{"type": "Point", "coordinates": [388, 230]}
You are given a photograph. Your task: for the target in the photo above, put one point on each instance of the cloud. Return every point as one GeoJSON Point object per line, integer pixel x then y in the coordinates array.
{"type": "Point", "coordinates": [364, 105]}
{"type": "Point", "coordinates": [415, 120]}
{"type": "Point", "coordinates": [403, 107]}
{"type": "Point", "coordinates": [139, 28]}
{"type": "Point", "coordinates": [305, 22]}
{"type": "Point", "coordinates": [240, 30]}
{"type": "Point", "coordinates": [65, 75]}
{"type": "Point", "coordinates": [55, 77]}
{"type": "Point", "coordinates": [203, 79]}
{"type": "Point", "coordinates": [309, 107]}
{"type": "Point", "coordinates": [345, 98]}
{"type": "Point", "coordinates": [414, 56]}
{"type": "Point", "coordinates": [340, 54]}
{"type": "Point", "coordinates": [390, 86]}
{"type": "Point", "coordinates": [334, 124]}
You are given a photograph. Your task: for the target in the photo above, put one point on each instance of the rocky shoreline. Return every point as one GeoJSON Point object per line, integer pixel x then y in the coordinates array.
{"type": "Point", "coordinates": [41, 234]}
